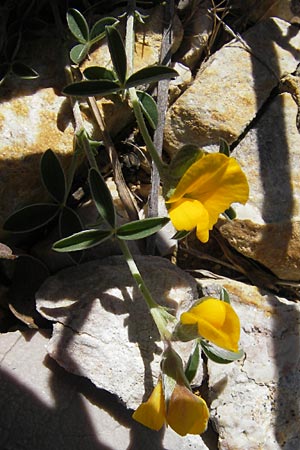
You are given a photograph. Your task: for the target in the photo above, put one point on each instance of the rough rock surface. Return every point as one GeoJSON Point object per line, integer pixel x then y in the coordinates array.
{"type": "Point", "coordinates": [103, 326]}
{"type": "Point", "coordinates": [267, 228]}
{"type": "Point", "coordinates": [232, 86]}
{"type": "Point", "coordinates": [44, 407]}
{"type": "Point", "coordinates": [255, 402]}
{"type": "Point", "coordinates": [34, 116]}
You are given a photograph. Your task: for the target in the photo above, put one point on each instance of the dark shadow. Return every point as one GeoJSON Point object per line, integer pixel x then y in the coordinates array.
{"type": "Point", "coordinates": [140, 326]}
{"type": "Point", "coordinates": [278, 203]}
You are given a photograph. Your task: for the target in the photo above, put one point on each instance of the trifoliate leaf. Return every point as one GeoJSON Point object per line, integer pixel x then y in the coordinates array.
{"type": "Point", "coordinates": [220, 355]}
{"type": "Point", "coordinates": [102, 197]}
{"type": "Point", "coordinates": [98, 29]}
{"type": "Point", "coordinates": [82, 240]}
{"type": "Point", "coordinates": [117, 52]}
{"type": "Point", "coordinates": [90, 88]}
{"type": "Point", "coordinates": [53, 176]}
{"type": "Point", "coordinates": [78, 25]}
{"type": "Point", "coordinates": [150, 74]}
{"type": "Point", "coordinates": [79, 53]}
{"type": "Point", "coordinates": [31, 217]}
{"type": "Point", "coordinates": [149, 108]}
{"type": "Point", "coordinates": [140, 229]}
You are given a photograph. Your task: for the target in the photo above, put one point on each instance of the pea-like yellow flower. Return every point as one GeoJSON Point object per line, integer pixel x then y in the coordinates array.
{"type": "Point", "coordinates": [216, 321]}
{"type": "Point", "coordinates": [186, 413]}
{"type": "Point", "coordinates": [206, 190]}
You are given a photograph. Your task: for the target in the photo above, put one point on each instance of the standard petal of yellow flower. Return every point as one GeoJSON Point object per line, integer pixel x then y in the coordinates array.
{"type": "Point", "coordinates": [215, 181]}
{"type": "Point", "coordinates": [187, 214]}
{"type": "Point", "coordinates": [217, 322]}
{"type": "Point", "coordinates": [187, 413]}
{"type": "Point", "coordinates": [152, 412]}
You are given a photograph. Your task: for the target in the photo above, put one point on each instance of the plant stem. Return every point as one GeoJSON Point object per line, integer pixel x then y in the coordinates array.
{"type": "Point", "coordinates": [160, 316]}
{"type": "Point", "coordinates": [133, 96]}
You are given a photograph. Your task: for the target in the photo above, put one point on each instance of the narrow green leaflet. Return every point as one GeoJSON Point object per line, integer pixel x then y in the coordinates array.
{"type": "Point", "coordinates": [140, 229]}
{"type": "Point", "coordinates": [192, 364]}
{"type": "Point", "coordinates": [31, 217]}
{"type": "Point", "coordinates": [150, 74]}
{"type": "Point", "coordinates": [23, 71]}
{"type": "Point", "coordinates": [98, 29]}
{"type": "Point", "coordinates": [79, 52]}
{"type": "Point", "coordinates": [181, 235]}
{"type": "Point", "coordinates": [53, 176]}
{"type": "Point", "coordinates": [78, 25]}
{"type": "Point", "coordinates": [224, 147]}
{"type": "Point", "coordinates": [117, 52]}
{"type": "Point", "coordinates": [230, 213]}
{"type": "Point", "coordinates": [98, 73]}
{"type": "Point", "coordinates": [149, 108]}
{"type": "Point", "coordinates": [90, 88]}
{"type": "Point", "coordinates": [82, 240]}
{"type": "Point", "coordinates": [220, 355]}
{"type": "Point", "coordinates": [102, 197]}
{"type": "Point", "coordinates": [224, 296]}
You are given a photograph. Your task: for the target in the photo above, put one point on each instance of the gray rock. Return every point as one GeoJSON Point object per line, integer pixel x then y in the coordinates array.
{"type": "Point", "coordinates": [255, 402]}
{"type": "Point", "coordinates": [267, 228]}
{"type": "Point", "coordinates": [232, 86]}
{"type": "Point", "coordinates": [44, 407]}
{"type": "Point", "coordinates": [103, 329]}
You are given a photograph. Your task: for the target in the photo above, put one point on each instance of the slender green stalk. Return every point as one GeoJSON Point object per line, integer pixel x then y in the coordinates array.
{"type": "Point", "coordinates": [132, 92]}
{"type": "Point", "coordinates": [160, 316]}
{"type": "Point", "coordinates": [161, 167]}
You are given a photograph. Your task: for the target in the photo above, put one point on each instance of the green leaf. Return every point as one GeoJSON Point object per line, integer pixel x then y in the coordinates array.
{"type": "Point", "coordinates": [102, 197]}
{"type": "Point", "coordinates": [224, 296]}
{"type": "Point", "coordinates": [98, 73]}
{"type": "Point", "coordinates": [150, 74]}
{"type": "Point", "coordinates": [140, 229]}
{"type": "Point", "coordinates": [78, 25]}
{"type": "Point", "coordinates": [98, 30]}
{"type": "Point", "coordinates": [53, 176]}
{"type": "Point", "coordinates": [82, 240]}
{"type": "Point", "coordinates": [224, 147]}
{"type": "Point", "coordinates": [230, 213]}
{"type": "Point", "coordinates": [70, 223]}
{"type": "Point", "coordinates": [192, 364]}
{"type": "Point", "coordinates": [90, 88]}
{"type": "Point", "coordinates": [79, 53]}
{"type": "Point", "coordinates": [4, 71]}
{"type": "Point", "coordinates": [149, 108]}
{"type": "Point", "coordinates": [180, 234]}
{"type": "Point", "coordinates": [31, 217]}
{"type": "Point", "coordinates": [23, 71]}
{"type": "Point", "coordinates": [117, 52]}
{"type": "Point", "coordinates": [220, 355]}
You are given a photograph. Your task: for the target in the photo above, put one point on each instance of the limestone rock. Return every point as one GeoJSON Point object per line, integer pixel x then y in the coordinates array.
{"type": "Point", "coordinates": [198, 29]}
{"type": "Point", "coordinates": [44, 407]}
{"type": "Point", "coordinates": [232, 86]}
{"type": "Point", "coordinates": [103, 329]}
{"type": "Point", "coordinates": [255, 401]}
{"type": "Point", "coordinates": [255, 10]}
{"type": "Point", "coordinates": [267, 228]}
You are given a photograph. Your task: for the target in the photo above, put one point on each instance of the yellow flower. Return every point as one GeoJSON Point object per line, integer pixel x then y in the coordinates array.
{"type": "Point", "coordinates": [206, 190]}
{"type": "Point", "coordinates": [186, 412]}
{"type": "Point", "coordinates": [216, 321]}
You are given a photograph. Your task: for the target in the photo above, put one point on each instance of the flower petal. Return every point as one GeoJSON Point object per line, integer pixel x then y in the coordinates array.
{"type": "Point", "coordinates": [217, 322]}
{"type": "Point", "coordinates": [187, 213]}
{"type": "Point", "coordinates": [187, 413]}
{"type": "Point", "coordinates": [152, 412]}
